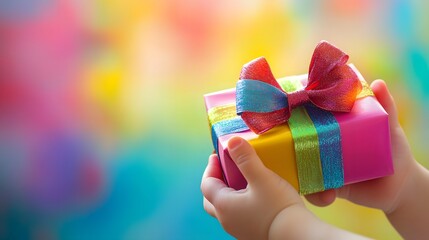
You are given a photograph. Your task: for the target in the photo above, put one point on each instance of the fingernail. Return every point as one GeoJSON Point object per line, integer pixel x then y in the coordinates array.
{"type": "Point", "coordinates": [234, 143]}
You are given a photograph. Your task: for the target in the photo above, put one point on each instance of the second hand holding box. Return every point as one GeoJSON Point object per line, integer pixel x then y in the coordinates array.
{"type": "Point", "coordinates": [312, 148]}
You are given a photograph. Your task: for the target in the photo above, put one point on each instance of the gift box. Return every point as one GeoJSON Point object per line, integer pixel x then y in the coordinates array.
{"type": "Point", "coordinates": [315, 149]}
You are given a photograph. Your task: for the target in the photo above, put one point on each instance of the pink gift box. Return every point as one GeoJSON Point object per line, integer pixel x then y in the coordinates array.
{"type": "Point", "coordinates": [364, 132]}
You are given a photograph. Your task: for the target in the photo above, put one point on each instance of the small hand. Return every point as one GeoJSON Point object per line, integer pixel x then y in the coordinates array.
{"type": "Point", "coordinates": [247, 213]}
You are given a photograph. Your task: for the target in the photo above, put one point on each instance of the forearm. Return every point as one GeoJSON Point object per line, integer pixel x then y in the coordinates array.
{"type": "Point", "coordinates": [410, 217]}
{"type": "Point", "coordinates": [298, 222]}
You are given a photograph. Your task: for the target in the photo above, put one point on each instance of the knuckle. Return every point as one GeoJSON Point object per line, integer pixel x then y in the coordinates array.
{"type": "Point", "coordinates": [221, 206]}
{"type": "Point", "coordinates": [205, 206]}
{"type": "Point", "coordinates": [203, 186]}
{"type": "Point", "coordinates": [243, 157]}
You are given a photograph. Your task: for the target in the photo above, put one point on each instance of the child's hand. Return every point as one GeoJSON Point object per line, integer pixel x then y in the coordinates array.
{"type": "Point", "coordinates": [384, 193]}
{"type": "Point", "coordinates": [247, 213]}
{"type": "Point", "coordinates": [268, 208]}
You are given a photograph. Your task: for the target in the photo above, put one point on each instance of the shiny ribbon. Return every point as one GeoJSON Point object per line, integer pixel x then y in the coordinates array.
{"type": "Point", "coordinates": [262, 103]}
{"type": "Point", "coordinates": [223, 120]}
{"type": "Point", "coordinates": [315, 133]}
{"type": "Point", "coordinates": [317, 142]}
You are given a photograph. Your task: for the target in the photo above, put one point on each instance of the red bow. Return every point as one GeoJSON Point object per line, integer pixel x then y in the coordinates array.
{"type": "Point", "coordinates": [332, 86]}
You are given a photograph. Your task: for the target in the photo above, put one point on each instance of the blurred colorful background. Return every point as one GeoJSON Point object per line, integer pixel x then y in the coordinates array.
{"type": "Point", "coordinates": [103, 130]}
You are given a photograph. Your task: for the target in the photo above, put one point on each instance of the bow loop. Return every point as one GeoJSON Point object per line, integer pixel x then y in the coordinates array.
{"type": "Point", "coordinates": [337, 96]}
{"type": "Point", "coordinates": [260, 112]}
{"type": "Point", "coordinates": [258, 69]}
{"type": "Point", "coordinates": [332, 86]}
{"type": "Point", "coordinates": [326, 58]}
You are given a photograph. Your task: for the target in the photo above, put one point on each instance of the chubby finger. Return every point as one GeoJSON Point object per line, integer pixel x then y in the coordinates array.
{"type": "Point", "coordinates": [213, 189]}
{"type": "Point", "coordinates": [383, 96]}
{"type": "Point", "coordinates": [322, 199]}
{"type": "Point", "coordinates": [246, 160]}
{"type": "Point", "coordinates": [209, 208]}
{"type": "Point", "coordinates": [213, 168]}
{"type": "Point", "coordinates": [212, 184]}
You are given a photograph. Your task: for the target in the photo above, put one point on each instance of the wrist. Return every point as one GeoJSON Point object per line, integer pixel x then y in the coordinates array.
{"type": "Point", "coordinates": [297, 222]}
{"type": "Point", "coordinates": [293, 222]}
{"type": "Point", "coordinates": [405, 188]}
{"type": "Point", "coordinates": [409, 216]}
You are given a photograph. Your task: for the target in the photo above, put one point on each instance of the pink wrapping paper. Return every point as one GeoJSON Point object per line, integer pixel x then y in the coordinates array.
{"type": "Point", "coordinates": [365, 140]}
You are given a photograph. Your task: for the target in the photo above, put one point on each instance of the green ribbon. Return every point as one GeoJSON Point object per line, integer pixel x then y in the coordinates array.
{"type": "Point", "coordinates": [306, 142]}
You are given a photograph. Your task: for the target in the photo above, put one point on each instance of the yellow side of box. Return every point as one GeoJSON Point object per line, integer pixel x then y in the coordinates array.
{"type": "Point", "coordinates": [276, 149]}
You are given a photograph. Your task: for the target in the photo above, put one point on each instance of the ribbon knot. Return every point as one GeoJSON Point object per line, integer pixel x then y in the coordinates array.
{"type": "Point", "coordinates": [262, 103]}
{"type": "Point", "coordinates": [298, 98]}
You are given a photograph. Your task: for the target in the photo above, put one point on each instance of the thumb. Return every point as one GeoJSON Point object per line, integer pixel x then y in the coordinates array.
{"type": "Point", "coordinates": [246, 159]}
{"type": "Point", "coordinates": [383, 95]}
